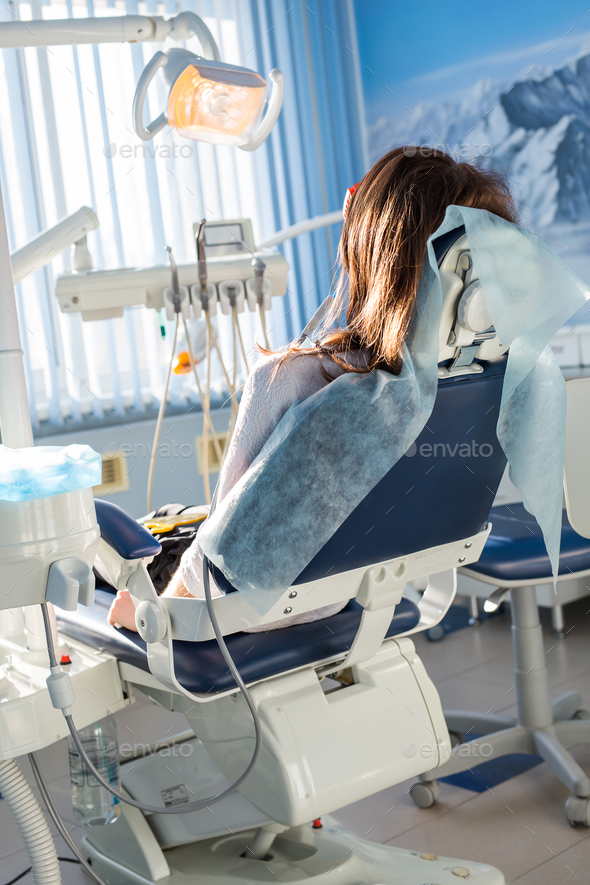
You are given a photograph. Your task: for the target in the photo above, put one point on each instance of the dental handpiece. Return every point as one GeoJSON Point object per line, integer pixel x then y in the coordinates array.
{"type": "Point", "coordinates": [259, 268]}
{"type": "Point", "coordinates": [175, 286]}
{"type": "Point", "coordinates": [202, 263]}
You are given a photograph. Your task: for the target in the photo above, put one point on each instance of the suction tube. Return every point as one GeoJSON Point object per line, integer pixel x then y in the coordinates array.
{"type": "Point", "coordinates": [193, 806]}
{"type": "Point", "coordinates": [31, 822]}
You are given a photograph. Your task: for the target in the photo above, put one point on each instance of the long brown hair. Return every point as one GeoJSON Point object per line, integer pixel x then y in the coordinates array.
{"type": "Point", "coordinates": [399, 203]}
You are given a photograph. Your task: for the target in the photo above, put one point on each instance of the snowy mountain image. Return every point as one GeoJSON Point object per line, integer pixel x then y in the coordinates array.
{"type": "Point", "coordinates": [536, 131]}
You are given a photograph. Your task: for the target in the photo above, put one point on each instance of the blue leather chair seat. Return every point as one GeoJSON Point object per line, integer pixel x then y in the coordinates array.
{"type": "Point", "coordinates": [200, 666]}
{"type": "Point", "coordinates": [515, 550]}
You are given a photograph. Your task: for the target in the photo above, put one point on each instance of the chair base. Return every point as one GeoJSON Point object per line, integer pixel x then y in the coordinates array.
{"type": "Point", "coordinates": [550, 743]}
{"type": "Point", "coordinates": [540, 728]}
{"type": "Point", "coordinates": [327, 856]}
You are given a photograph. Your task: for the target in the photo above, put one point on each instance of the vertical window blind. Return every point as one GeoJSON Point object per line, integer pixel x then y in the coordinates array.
{"type": "Point", "coordinates": [67, 140]}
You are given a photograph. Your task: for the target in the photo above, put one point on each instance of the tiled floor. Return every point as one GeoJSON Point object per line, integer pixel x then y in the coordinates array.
{"type": "Point", "coordinates": [519, 826]}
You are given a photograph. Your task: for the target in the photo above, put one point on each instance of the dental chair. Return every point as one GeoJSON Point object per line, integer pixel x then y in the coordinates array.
{"type": "Point", "coordinates": [515, 562]}
{"type": "Point", "coordinates": [346, 706]}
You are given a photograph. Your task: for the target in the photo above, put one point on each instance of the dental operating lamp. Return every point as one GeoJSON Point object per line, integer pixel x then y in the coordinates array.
{"type": "Point", "coordinates": [208, 101]}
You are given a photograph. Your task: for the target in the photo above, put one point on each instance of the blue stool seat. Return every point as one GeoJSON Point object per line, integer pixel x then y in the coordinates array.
{"type": "Point", "coordinates": [515, 550]}
{"type": "Point", "coordinates": [200, 666]}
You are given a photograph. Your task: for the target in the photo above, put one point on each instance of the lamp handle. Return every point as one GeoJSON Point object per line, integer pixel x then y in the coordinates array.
{"type": "Point", "coordinates": [159, 60]}
{"type": "Point", "coordinates": [272, 112]}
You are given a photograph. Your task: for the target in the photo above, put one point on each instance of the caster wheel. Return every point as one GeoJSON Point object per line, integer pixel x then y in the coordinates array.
{"type": "Point", "coordinates": [581, 714]}
{"type": "Point", "coordinates": [577, 811]}
{"type": "Point", "coordinates": [457, 738]}
{"type": "Point", "coordinates": [425, 795]}
{"type": "Point", "coordinates": [435, 634]}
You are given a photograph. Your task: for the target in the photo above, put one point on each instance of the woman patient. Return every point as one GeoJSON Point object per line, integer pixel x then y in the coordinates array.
{"type": "Point", "coordinates": [399, 203]}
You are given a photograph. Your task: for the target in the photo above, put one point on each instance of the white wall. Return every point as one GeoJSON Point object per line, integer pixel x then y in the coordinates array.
{"type": "Point", "coordinates": [176, 477]}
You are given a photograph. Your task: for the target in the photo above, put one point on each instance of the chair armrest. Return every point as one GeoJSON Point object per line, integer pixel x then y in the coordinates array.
{"type": "Point", "coordinates": [120, 531]}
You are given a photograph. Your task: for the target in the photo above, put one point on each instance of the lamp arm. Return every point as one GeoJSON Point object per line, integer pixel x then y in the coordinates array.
{"type": "Point", "coordinates": [188, 23]}
{"type": "Point", "coordinates": [110, 29]}
{"type": "Point", "coordinates": [272, 112]}
{"type": "Point", "coordinates": [78, 31]}
{"type": "Point", "coordinates": [49, 243]}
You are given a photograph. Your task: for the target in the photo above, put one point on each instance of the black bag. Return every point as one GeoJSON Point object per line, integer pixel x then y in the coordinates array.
{"type": "Point", "coordinates": [174, 542]}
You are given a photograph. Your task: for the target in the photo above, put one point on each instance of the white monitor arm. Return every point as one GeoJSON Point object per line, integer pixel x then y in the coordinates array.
{"type": "Point", "coordinates": [45, 246]}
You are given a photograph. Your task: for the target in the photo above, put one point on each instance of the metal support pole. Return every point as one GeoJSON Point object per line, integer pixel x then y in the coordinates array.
{"type": "Point", "coordinates": [15, 420]}
{"type": "Point", "coordinates": [530, 671]}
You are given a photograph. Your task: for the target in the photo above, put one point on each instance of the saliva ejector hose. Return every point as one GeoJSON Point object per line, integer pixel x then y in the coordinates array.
{"type": "Point", "coordinates": [207, 422]}
{"type": "Point", "coordinates": [62, 696]}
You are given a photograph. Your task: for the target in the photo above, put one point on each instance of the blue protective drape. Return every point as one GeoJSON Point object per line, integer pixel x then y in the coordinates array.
{"type": "Point", "coordinates": [331, 449]}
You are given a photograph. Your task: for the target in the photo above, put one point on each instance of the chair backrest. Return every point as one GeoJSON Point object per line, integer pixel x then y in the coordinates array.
{"type": "Point", "coordinates": [443, 488]}
{"type": "Point", "coordinates": [440, 491]}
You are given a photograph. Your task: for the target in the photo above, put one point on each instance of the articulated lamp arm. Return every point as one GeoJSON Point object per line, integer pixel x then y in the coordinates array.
{"type": "Point", "coordinates": [111, 29]}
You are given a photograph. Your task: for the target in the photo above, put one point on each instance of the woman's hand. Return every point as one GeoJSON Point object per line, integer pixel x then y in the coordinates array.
{"type": "Point", "coordinates": [122, 611]}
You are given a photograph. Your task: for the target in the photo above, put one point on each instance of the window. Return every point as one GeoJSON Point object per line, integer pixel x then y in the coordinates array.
{"type": "Point", "coordinates": [67, 140]}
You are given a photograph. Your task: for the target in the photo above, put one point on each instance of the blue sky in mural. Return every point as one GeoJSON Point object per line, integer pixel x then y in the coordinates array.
{"type": "Point", "coordinates": [504, 83]}
{"type": "Point", "coordinates": [434, 50]}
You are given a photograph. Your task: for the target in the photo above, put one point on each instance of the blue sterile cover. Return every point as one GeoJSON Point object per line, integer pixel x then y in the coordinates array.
{"type": "Point", "coordinates": [331, 449]}
{"type": "Point", "coordinates": [42, 471]}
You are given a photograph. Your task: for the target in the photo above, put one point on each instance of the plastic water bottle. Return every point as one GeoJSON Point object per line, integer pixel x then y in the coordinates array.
{"type": "Point", "coordinates": [92, 804]}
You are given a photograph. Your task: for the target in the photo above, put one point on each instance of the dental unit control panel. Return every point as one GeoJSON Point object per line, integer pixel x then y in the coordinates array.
{"type": "Point", "coordinates": [230, 252]}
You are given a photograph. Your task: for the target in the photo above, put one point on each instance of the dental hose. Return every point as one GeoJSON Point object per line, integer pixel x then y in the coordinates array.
{"type": "Point", "coordinates": [236, 336]}
{"type": "Point", "coordinates": [161, 410]}
{"type": "Point", "coordinates": [259, 267]}
{"type": "Point", "coordinates": [232, 391]}
{"type": "Point", "coordinates": [238, 332]}
{"type": "Point", "coordinates": [206, 408]}
{"type": "Point", "coordinates": [263, 324]}
{"type": "Point", "coordinates": [158, 809]}
{"type": "Point", "coordinates": [59, 824]}
{"type": "Point", "coordinates": [31, 822]}
{"type": "Point", "coordinates": [207, 423]}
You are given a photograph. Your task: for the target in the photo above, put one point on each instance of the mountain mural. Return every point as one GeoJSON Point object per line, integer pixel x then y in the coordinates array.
{"type": "Point", "coordinates": [536, 131]}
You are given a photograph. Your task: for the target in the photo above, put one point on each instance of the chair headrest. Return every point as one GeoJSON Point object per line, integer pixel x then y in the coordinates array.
{"type": "Point", "coordinates": [466, 330]}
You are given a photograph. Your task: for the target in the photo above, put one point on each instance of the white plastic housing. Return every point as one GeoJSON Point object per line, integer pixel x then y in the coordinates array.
{"type": "Point", "coordinates": [35, 534]}
{"type": "Point", "coordinates": [185, 302]}
{"type": "Point", "coordinates": [197, 302]}
{"type": "Point", "coordinates": [228, 288]}
{"type": "Point", "coordinates": [577, 455]}
{"type": "Point", "coordinates": [29, 721]}
{"type": "Point", "coordinates": [323, 751]}
{"type": "Point", "coordinates": [453, 282]}
{"type": "Point", "coordinates": [252, 296]}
